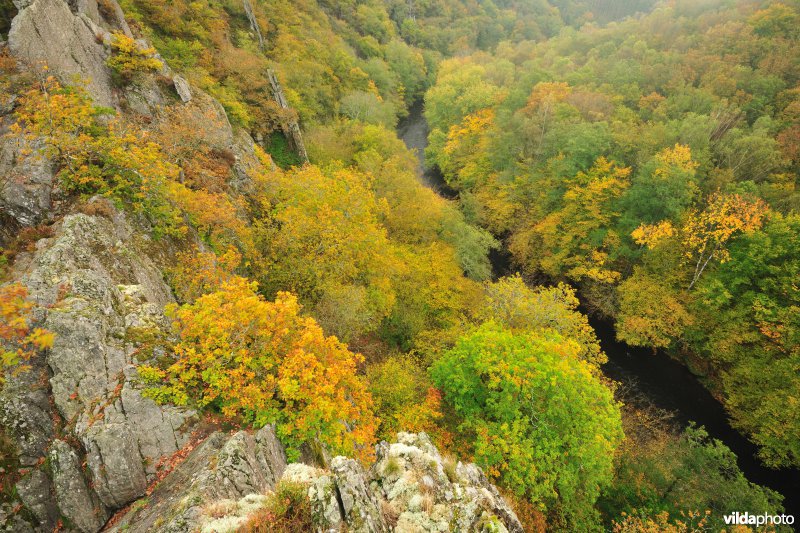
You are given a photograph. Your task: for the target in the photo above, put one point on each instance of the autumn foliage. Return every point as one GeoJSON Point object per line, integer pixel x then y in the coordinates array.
{"type": "Point", "coordinates": [707, 232]}
{"type": "Point", "coordinates": [128, 59]}
{"type": "Point", "coordinates": [406, 400]}
{"type": "Point", "coordinates": [18, 341]}
{"type": "Point", "coordinates": [265, 363]}
{"type": "Point", "coordinates": [97, 155]}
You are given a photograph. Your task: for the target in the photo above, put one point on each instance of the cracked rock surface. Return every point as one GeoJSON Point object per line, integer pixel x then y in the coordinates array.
{"type": "Point", "coordinates": [224, 468]}
{"type": "Point", "coordinates": [47, 32]}
{"type": "Point", "coordinates": [77, 417]}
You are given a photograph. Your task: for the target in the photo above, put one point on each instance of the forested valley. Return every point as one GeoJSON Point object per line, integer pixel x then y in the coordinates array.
{"type": "Point", "coordinates": [209, 224]}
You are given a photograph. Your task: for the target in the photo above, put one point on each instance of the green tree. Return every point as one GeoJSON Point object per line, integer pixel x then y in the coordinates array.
{"type": "Point", "coordinates": [578, 239]}
{"type": "Point", "coordinates": [651, 313]}
{"type": "Point", "coordinates": [682, 474]}
{"type": "Point", "coordinates": [664, 188]}
{"type": "Point", "coordinates": [539, 420]}
{"type": "Point", "coordinates": [748, 311]}
{"type": "Point", "coordinates": [511, 303]}
{"type": "Point", "coordinates": [410, 67]}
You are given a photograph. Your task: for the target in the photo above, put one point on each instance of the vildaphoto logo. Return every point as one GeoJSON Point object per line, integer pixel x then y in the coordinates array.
{"type": "Point", "coordinates": [747, 519]}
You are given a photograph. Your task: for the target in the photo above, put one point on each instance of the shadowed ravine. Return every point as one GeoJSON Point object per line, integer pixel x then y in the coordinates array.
{"type": "Point", "coordinates": [663, 381]}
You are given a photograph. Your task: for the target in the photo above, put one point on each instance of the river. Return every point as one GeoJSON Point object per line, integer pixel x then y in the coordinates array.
{"type": "Point", "coordinates": [414, 132]}
{"type": "Point", "coordinates": [663, 381]}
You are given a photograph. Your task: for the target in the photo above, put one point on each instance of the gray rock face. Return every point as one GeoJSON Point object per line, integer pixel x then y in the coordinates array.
{"type": "Point", "coordinates": [37, 494]}
{"type": "Point", "coordinates": [26, 413]}
{"type": "Point", "coordinates": [12, 521]}
{"type": "Point", "coordinates": [97, 289]}
{"type": "Point", "coordinates": [77, 503]}
{"type": "Point", "coordinates": [221, 469]}
{"type": "Point", "coordinates": [107, 14]}
{"type": "Point", "coordinates": [292, 130]}
{"type": "Point", "coordinates": [48, 32]}
{"type": "Point", "coordinates": [360, 506]}
{"type": "Point", "coordinates": [26, 183]}
{"type": "Point", "coordinates": [183, 89]}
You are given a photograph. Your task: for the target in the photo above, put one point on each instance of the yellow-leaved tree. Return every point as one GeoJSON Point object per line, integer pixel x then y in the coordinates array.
{"type": "Point", "coordinates": [576, 240]}
{"type": "Point", "coordinates": [263, 361]}
{"type": "Point", "coordinates": [706, 233]}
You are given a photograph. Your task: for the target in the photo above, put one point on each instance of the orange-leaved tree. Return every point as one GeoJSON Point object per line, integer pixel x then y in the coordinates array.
{"type": "Point", "coordinates": [17, 340]}
{"type": "Point", "coordinates": [262, 361]}
{"type": "Point", "coordinates": [199, 272]}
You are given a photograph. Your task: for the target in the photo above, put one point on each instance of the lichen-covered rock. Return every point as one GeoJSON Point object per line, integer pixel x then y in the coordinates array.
{"type": "Point", "coordinates": [36, 491]}
{"type": "Point", "coordinates": [321, 493]}
{"type": "Point", "coordinates": [361, 508]}
{"type": "Point", "coordinates": [76, 501]}
{"type": "Point", "coordinates": [97, 290]}
{"type": "Point", "coordinates": [26, 183]}
{"type": "Point", "coordinates": [411, 476]}
{"type": "Point", "coordinates": [409, 489]}
{"type": "Point", "coordinates": [230, 515]}
{"type": "Point", "coordinates": [219, 472]}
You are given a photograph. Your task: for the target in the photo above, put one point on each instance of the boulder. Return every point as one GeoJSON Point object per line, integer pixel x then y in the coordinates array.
{"type": "Point", "coordinates": [182, 88]}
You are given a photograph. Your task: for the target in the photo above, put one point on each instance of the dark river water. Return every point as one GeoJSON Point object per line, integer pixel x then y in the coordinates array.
{"type": "Point", "coordinates": [414, 132]}
{"type": "Point", "coordinates": [663, 381]}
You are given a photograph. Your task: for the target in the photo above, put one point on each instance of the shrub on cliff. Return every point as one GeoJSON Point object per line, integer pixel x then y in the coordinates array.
{"type": "Point", "coordinates": [264, 362]}
{"type": "Point", "coordinates": [18, 340]}
{"type": "Point", "coordinates": [128, 59]}
{"type": "Point", "coordinates": [97, 155]}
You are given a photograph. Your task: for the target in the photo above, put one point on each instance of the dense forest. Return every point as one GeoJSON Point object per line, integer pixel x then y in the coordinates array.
{"type": "Point", "coordinates": [635, 161]}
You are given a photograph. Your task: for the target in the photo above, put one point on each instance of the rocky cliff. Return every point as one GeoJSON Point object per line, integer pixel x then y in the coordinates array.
{"type": "Point", "coordinates": [80, 441]}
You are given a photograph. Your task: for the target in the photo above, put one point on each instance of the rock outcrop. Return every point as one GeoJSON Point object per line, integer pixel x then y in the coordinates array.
{"type": "Point", "coordinates": [409, 488]}
{"type": "Point", "coordinates": [430, 493]}
{"type": "Point", "coordinates": [291, 130]}
{"type": "Point", "coordinates": [88, 439]}
{"type": "Point", "coordinates": [26, 183]}
{"type": "Point", "coordinates": [221, 469]}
